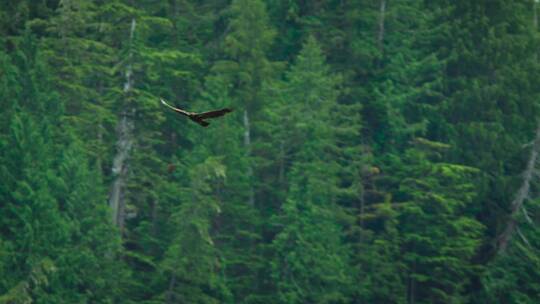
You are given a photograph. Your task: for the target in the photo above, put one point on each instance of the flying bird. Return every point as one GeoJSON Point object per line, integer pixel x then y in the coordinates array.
{"type": "Point", "coordinates": [199, 117]}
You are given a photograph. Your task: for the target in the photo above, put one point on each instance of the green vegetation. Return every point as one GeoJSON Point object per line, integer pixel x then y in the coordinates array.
{"type": "Point", "coordinates": [380, 151]}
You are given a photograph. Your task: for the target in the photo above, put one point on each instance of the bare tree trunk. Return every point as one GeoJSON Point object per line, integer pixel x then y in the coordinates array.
{"type": "Point", "coordinates": [535, 14]}
{"type": "Point", "coordinates": [170, 290]}
{"type": "Point", "coordinates": [522, 194]}
{"type": "Point", "coordinates": [99, 161]}
{"type": "Point", "coordinates": [124, 144]}
{"type": "Point", "coordinates": [412, 290]}
{"type": "Point", "coordinates": [128, 85]}
{"type": "Point", "coordinates": [362, 199]}
{"type": "Point", "coordinates": [535, 22]}
{"type": "Point", "coordinates": [247, 144]}
{"type": "Point", "coordinates": [281, 176]}
{"type": "Point", "coordinates": [247, 135]}
{"type": "Point", "coordinates": [175, 11]}
{"type": "Point", "coordinates": [380, 34]}
{"type": "Point", "coordinates": [529, 173]}
{"type": "Point", "coordinates": [155, 206]}
{"type": "Point", "coordinates": [412, 286]}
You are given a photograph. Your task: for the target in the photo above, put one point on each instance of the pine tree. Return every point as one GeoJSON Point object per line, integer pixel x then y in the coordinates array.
{"type": "Point", "coordinates": [517, 243]}
{"type": "Point", "coordinates": [490, 108]}
{"type": "Point", "coordinates": [55, 217]}
{"type": "Point", "coordinates": [309, 223]}
{"type": "Point", "coordinates": [149, 67]}
{"type": "Point", "coordinates": [378, 264]}
{"type": "Point", "coordinates": [83, 67]}
{"type": "Point", "coordinates": [34, 229]}
{"type": "Point", "coordinates": [240, 74]}
{"type": "Point", "coordinates": [192, 261]}
{"type": "Point", "coordinates": [247, 66]}
{"type": "Point", "coordinates": [440, 236]}
{"type": "Point", "coordinates": [310, 263]}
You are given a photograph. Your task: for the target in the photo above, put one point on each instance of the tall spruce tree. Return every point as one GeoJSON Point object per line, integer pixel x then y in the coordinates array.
{"type": "Point", "coordinates": [243, 69]}
{"type": "Point", "coordinates": [439, 234]}
{"type": "Point", "coordinates": [309, 225]}
{"type": "Point", "coordinates": [192, 262]}
{"type": "Point", "coordinates": [53, 214]}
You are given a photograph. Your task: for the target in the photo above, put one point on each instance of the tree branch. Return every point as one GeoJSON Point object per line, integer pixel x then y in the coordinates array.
{"type": "Point", "coordinates": [522, 194]}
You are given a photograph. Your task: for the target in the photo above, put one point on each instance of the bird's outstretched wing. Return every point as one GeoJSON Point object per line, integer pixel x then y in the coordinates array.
{"type": "Point", "coordinates": [198, 117]}
{"type": "Point", "coordinates": [213, 114]}
{"type": "Point", "coordinates": [175, 109]}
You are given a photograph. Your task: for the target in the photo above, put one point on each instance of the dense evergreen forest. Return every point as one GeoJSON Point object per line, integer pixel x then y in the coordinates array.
{"type": "Point", "coordinates": [380, 151]}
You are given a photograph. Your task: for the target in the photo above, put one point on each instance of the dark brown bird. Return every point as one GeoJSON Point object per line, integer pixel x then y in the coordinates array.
{"type": "Point", "coordinates": [199, 117]}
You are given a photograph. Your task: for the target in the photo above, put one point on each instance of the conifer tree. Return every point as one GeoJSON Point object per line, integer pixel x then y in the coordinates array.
{"type": "Point", "coordinates": [192, 261]}
{"type": "Point", "coordinates": [149, 67]}
{"type": "Point", "coordinates": [240, 74]}
{"type": "Point", "coordinates": [54, 213]}
{"type": "Point", "coordinates": [309, 222]}
{"type": "Point", "coordinates": [247, 67]}
{"type": "Point", "coordinates": [491, 115]}
{"type": "Point", "coordinates": [83, 65]}
{"type": "Point", "coordinates": [440, 236]}
{"type": "Point", "coordinates": [381, 167]}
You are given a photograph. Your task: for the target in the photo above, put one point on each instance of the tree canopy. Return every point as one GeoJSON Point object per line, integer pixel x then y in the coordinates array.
{"type": "Point", "coordinates": [380, 151]}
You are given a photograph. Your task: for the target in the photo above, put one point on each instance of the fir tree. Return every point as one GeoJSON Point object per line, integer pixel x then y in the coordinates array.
{"type": "Point", "coordinates": [192, 261]}
{"type": "Point", "coordinates": [439, 236]}
{"type": "Point", "coordinates": [310, 226]}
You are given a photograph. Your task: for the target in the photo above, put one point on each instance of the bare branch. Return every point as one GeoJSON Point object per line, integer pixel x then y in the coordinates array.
{"type": "Point", "coordinates": [522, 194]}
{"type": "Point", "coordinates": [523, 237]}
{"type": "Point", "coordinates": [526, 215]}
{"type": "Point", "coordinates": [380, 34]}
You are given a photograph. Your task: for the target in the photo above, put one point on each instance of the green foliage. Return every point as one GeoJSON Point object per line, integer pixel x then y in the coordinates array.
{"type": "Point", "coordinates": [310, 258]}
{"type": "Point", "coordinates": [53, 214]}
{"type": "Point", "coordinates": [245, 46]}
{"type": "Point", "coordinates": [515, 268]}
{"type": "Point", "coordinates": [310, 263]}
{"type": "Point", "coordinates": [439, 238]}
{"type": "Point", "coordinates": [192, 263]}
{"type": "Point", "coordinates": [372, 156]}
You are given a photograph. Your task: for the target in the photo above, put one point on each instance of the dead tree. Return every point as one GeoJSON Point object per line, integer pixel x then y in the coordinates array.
{"type": "Point", "coordinates": [522, 195]}
{"type": "Point", "coordinates": [124, 145]}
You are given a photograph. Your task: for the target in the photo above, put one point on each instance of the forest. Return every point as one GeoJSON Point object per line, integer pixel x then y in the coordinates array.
{"type": "Point", "coordinates": [379, 151]}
